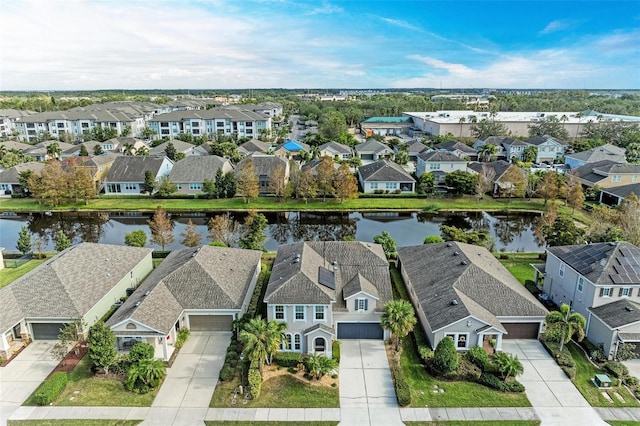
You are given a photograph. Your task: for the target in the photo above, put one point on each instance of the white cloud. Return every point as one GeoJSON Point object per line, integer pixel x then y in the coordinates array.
{"type": "Point", "coordinates": [558, 25]}
{"type": "Point", "coordinates": [326, 9]}
{"type": "Point", "coordinates": [400, 23]}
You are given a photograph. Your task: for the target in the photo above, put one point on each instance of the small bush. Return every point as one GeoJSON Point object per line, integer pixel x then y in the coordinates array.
{"type": "Point", "coordinates": [425, 353]}
{"type": "Point", "coordinates": [445, 357]}
{"type": "Point", "coordinates": [403, 391]}
{"type": "Point", "coordinates": [292, 370]}
{"type": "Point", "coordinates": [514, 386]}
{"type": "Point", "coordinates": [504, 256]}
{"type": "Point", "coordinates": [183, 334]}
{"type": "Point", "coordinates": [630, 381]}
{"type": "Point", "coordinates": [255, 382]}
{"type": "Point", "coordinates": [226, 373]}
{"type": "Point", "coordinates": [491, 381]}
{"type": "Point", "coordinates": [616, 369]}
{"type": "Point", "coordinates": [287, 359]}
{"type": "Point", "coordinates": [636, 393]}
{"type": "Point", "coordinates": [467, 371]}
{"type": "Point", "coordinates": [141, 351]}
{"type": "Point", "coordinates": [335, 351]}
{"type": "Point", "coordinates": [569, 371]}
{"type": "Point", "coordinates": [478, 356]}
{"type": "Point", "coordinates": [50, 388]}
{"type": "Point", "coordinates": [232, 355]}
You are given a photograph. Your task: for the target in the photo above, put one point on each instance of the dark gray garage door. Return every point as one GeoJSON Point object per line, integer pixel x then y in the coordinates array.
{"type": "Point", "coordinates": [354, 330]}
{"type": "Point", "coordinates": [521, 330]}
{"type": "Point", "coordinates": [210, 322]}
{"type": "Point", "coordinates": [47, 331]}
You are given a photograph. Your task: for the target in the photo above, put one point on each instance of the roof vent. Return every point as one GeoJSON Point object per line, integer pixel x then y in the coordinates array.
{"type": "Point", "coordinates": [455, 253]}
{"type": "Point", "coordinates": [628, 308]}
{"type": "Point", "coordinates": [454, 302]}
{"type": "Point", "coordinates": [146, 293]}
{"type": "Point", "coordinates": [612, 244]}
{"type": "Point", "coordinates": [464, 262]}
{"type": "Point", "coordinates": [137, 303]}
{"type": "Point", "coordinates": [448, 244]}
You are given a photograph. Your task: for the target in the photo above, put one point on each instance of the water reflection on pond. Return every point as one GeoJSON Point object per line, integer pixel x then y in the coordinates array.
{"type": "Point", "coordinates": [511, 232]}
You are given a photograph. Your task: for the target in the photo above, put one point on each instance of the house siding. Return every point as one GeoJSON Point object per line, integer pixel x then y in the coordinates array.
{"type": "Point", "coordinates": [463, 327]}
{"type": "Point", "coordinates": [299, 326]}
{"type": "Point", "coordinates": [441, 166]}
{"type": "Point", "coordinates": [598, 333]}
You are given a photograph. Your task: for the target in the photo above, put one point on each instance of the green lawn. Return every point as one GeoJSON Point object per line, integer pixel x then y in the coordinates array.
{"type": "Point", "coordinates": [519, 264]}
{"type": "Point", "coordinates": [622, 422]}
{"type": "Point", "coordinates": [476, 422]}
{"type": "Point", "coordinates": [279, 392]}
{"type": "Point", "coordinates": [76, 422]}
{"type": "Point", "coordinates": [457, 394]}
{"type": "Point", "coordinates": [9, 275]}
{"type": "Point", "coordinates": [95, 391]}
{"type": "Point", "coordinates": [261, 423]}
{"type": "Point", "coordinates": [585, 371]}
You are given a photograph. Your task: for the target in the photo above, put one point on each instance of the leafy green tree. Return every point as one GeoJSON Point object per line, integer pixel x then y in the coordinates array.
{"type": "Point", "coordinates": [346, 185]}
{"type": "Point", "coordinates": [388, 244]}
{"type": "Point", "coordinates": [508, 365]}
{"type": "Point", "coordinates": [166, 187]}
{"type": "Point", "coordinates": [461, 182]}
{"type": "Point", "coordinates": [62, 241]}
{"type": "Point", "coordinates": [571, 323]}
{"type": "Point", "coordinates": [485, 128]}
{"type": "Point", "coordinates": [549, 187]}
{"type": "Point", "coordinates": [401, 157]}
{"type": "Point", "coordinates": [97, 150]}
{"type": "Point", "coordinates": [149, 184]}
{"type": "Point", "coordinates": [478, 238]}
{"type": "Point", "coordinates": [632, 153]}
{"type": "Point", "coordinates": [190, 236]}
{"type": "Point", "coordinates": [23, 244]}
{"type": "Point", "coordinates": [72, 334]}
{"type": "Point", "coordinates": [332, 125]}
{"type": "Point", "coordinates": [247, 184]}
{"type": "Point", "coordinates": [445, 357]}
{"type": "Point", "coordinates": [229, 185]}
{"type": "Point", "coordinates": [398, 317]}
{"type": "Point", "coordinates": [170, 151]}
{"type": "Point", "coordinates": [143, 151]}
{"type": "Point", "coordinates": [145, 375]}
{"type": "Point", "coordinates": [209, 188]}
{"type": "Point", "coordinates": [275, 337]}
{"type": "Point", "coordinates": [81, 185]}
{"type": "Point", "coordinates": [140, 351]}
{"type": "Point", "coordinates": [102, 346]}
{"type": "Point", "coordinates": [433, 239]}
{"type": "Point", "coordinates": [252, 231]}
{"type": "Point", "coordinates": [161, 228]}
{"type": "Point", "coordinates": [530, 154]}
{"type": "Point", "coordinates": [562, 232]}
{"type": "Point", "coordinates": [137, 238]}
{"type": "Point", "coordinates": [575, 194]}
{"type": "Point", "coordinates": [426, 183]}
{"type": "Point", "coordinates": [306, 186]}
{"type": "Point", "coordinates": [551, 126]}
{"type": "Point", "coordinates": [278, 182]}
{"type": "Point", "coordinates": [83, 151]}
{"type": "Point", "coordinates": [324, 178]}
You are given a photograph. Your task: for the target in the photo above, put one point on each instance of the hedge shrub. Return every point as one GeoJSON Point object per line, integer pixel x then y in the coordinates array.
{"type": "Point", "coordinates": [226, 373]}
{"type": "Point", "coordinates": [255, 381]}
{"type": "Point", "coordinates": [140, 351]}
{"type": "Point", "coordinates": [616, 369]}
{"type": "Point", "coordinates": [478, 356]}
{"type": "Point", "coordinates": [335, 350]}
{"type": "Point", "coordinates": [287, 359]}
{"type": "Point", "coordinates": [445, 357]}
{"type": "Point", "coordinates": [494, 382]}
{"type": "Point", "coordinates": [50, 388]}
{"type": "Point", "coordinates": [403, 391]}
{"type": "Point", "coordinates": [183, 334]}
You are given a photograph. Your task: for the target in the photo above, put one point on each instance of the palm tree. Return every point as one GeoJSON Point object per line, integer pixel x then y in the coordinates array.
{"type": "Point", "coordinates": [260, 341]}
{"type": "Point", "coordinates": [275, 336]}
{"type": "Point", "coordinates": [461, 121]}
{"type": "Point", "coordinates": [579, 117]}
{"type": "Point", "coordinates": [319, 365]}
{"type": "Point", "coordinates": [487, 151]}
{"type": "Point", "coordinates": [147, 373]}
{"type": "Point", "coordinates": [128, 149]}
{"type": "Point", "coordinates": [571, 323]}
{"type": "Point", "coordinates": [53, 150]}
{"type": "Point", "coordinates": [142, 151]}
{"type": "Point", "coordinates": [3, 151]}
{"type": "Point", "coordinates": [508, 365]}
{"type": "Point", "coordinates": [399, 318]}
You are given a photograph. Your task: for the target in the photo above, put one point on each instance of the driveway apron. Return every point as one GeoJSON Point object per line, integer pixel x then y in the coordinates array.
{"type": "Point", "coordinates": [186, 391]}
{"type": "Point", "coordinates": [367, 396]}
{"type": "Point", "coordinates": [553, 396]}
{"type": "Point", "coordinates": [23, 375]}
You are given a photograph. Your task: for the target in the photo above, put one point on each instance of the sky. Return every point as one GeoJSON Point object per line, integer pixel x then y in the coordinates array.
{"type": "Point", "coordinates": [240, 44]}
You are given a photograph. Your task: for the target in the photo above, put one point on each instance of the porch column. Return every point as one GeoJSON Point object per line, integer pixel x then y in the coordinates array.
{"type": "Point", "coordinates": [186, 322]}
{"type": "Point", "coordinates": [4, 343]}
{"type": "Point", "coordinates": [499, 342]}
{"type": "Point", "coordinates": [480, 339]}
{"type": "Point", "coordinates": [165, 350]}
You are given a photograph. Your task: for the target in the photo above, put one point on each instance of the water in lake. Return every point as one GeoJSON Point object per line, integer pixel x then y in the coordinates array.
{"type": "Point", "coordinates": [513, 232]}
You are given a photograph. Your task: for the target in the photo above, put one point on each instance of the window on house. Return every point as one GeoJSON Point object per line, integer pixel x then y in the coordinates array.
{"type": "Point", "coordinates": [634, 178]}
{"type": "Point", "coordinates": [462, 341]}
{"type": "Point", "coordinates": [561, 271]}
{"type": "Point", "coordinates": [249, 131]}
{"type": "Point", "coordinates": [374, 185]}
{"type": "Point", "coordinates": [299, 313]}
{"type": "Point", "coordinates": [626, 291]}
{"type": "Point", "coordinates": [220, 124]}
{"type": "Point", "coordinates": [434, 166]}
{"type": "Point", "coordinates": [580, 284]}
{"type": "Point", "coordinates": [279, 312]}
{"type": "Point", "coordinates": [196, 131]}
{"type": "Point", "coordinates": [319, 313]}
{"type": "Point", "coordinates": [164, 131]}
{"type": "Point", "coordinates": [248, 123]}
{"type": "Point", "coordinates": [85, 125]}
{"type": "Point", "coordinates": [60, 125]}
{"type": "Point", "coordinates": [114, 187]}
{"type": "Point", "coordinates": [605, 292]}
{"type": "Point", "coordinates": [195, 124]}
{"type": "Point", "coordinates": [319, 344]}
{"type": "Point", "coordinates": [616, 178]}
{"type": "Point", "coordinates": [195, 186]}
{"type": "Point", "coordinates": [362, 305]}
{"type": "Point", "coordinates": [391, 185]}
{"type": "Point", "coordinates": [297, 342]}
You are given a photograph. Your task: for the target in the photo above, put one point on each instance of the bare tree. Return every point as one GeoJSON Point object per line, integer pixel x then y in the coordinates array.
{"type": "Point", "coordinates": [247, 183]}
{"type": "Point", "coordinates": [278, 182]}
{"type": "Point", "coordinates": [190, 236]}
{"type": "Point", "coordinates": [161, 228]}
{"type": "Point", "coordinates": [485, 181]}
{"type": "Point", "coordinates": [224, 229]}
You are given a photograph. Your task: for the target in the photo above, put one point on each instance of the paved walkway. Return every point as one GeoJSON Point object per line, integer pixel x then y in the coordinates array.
{"type": "Point", "coordinates": [554, 398]}
{"type": "Point", "coordinates": [367, 396]}
{"type": "Point", "coordinates": [23, 375]}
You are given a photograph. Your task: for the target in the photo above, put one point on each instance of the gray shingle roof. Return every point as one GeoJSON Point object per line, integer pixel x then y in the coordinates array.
{"type": "Point", "coordinates": [9, 145]}
{"type": "Point", "coordinates": [263, 164]}
{"type": "Point", "coordinates": [623, 191]}
{"type": "Point", "coordinates": [499, 167]}
{"type": "Point", "coordinates": [132, 168]}
{"type": "Point", "coordinates": [357, 284]}
{"type": "Point", "coordinates": [12, 173]}
{"type": "Point", "coordinates": [199, 168]}
{"type": "Point", "coordinates": [179, 145]}
{"type": "Point", "coordinates": [384, 171]}
{"type": "Point", "coordinates": [539, 140]}
{"type": "Point", "coordinates": [335, 147]}
{"type": "Point", "coordinates": [599, 153]}
{"type": "Point", "coordinates": [371, 146]}
{"type": "Point", "coordinates": [619, 313]}
{"type": "Point", "coordinates": [455, 145]}
{"type": "Point", "coordinates": [297, 282]}
{"type": "Point", "coordinates": [469, 275]}
{"type": "Point", "coordinates": [602, 263]}
{"type": "Point", "coordinates": [193, 278]}
{"type": "Point", "coordinates": [69, 284]}
{"type": "Point", "coordinates": [254, 145]}
{"type": "Point", "coordinates": [440, 156]}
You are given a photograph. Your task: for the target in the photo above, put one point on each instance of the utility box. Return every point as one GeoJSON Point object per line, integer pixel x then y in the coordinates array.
{"type": "Point", "coordinates": [603, 381]}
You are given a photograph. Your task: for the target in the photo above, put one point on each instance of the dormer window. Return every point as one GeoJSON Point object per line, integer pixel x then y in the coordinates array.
{"type": "Point", "coordinates": [361, 305]}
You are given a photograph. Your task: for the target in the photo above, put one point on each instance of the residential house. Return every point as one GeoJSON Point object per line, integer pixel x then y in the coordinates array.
{"type": "Point", "coordinates": [458, 149]}
{"type": "Point", "coordinates": [292, 150]}
{"type": "Point", "coordinates": [127, 174]}
{"type": "Point", "coordinates": [616, 195]}
{"type": "Point", "coordinates": [200, 288]}
{"type": "Point", "coordinates": [513, 148]}
{"type": "Point", "coordinates": [15, 146]}
{"type": "Point", "coordinates": [500, 181]}
{"type": "Point", "coordinates": [372, 150]}
{"type": "Point", "coordinates": [188, 149]}
{"type": "Point", "coordinates": [328, 290]}
{"type": "Point", "coordinates": [469, 296]}
{"type": "Point", "coordinates": [384, 126]}
{"type": "Point", "coordinates": [493, 140]}
{"type": "Point", "coordinates": [90, 146]}
{"type": "Point", "coordinates": [439, 163]}
{"type": "Point", "coordinates": [8, 119]}
{"type": "Point", "coordinates": [81, 282]}
{"type": "Point", "coordinates": [254, 146]}
{"type": "Point", "coordinates": [264, 166]}
{"type": "Point", "coordinates": [39, 151]}
{"type": "Point", "coordinates": [549, 148]}
{"type": "Point", "coordinates": [415, 148]}
{"type": "Point", "coordinates": [608, 174]}
{"type": "Point", "coordinates": [593, 155]}
{"type": "Point", "coordinates": [190, 173]}
{"type": "Point", "coordinates": [335, 150]}
{"type": "Point", "coordinates": [98, 166]}
{"type": "Point", "coordinates": [10, 178]}
{"type": "Point", "coordinates": [385, 177]}
{"type": "Point", "coordinates": [602, 282]}
{"type": "Point", "coordinates": [313, 165]}
{"type": "Point", "coordinates": [122, 143]}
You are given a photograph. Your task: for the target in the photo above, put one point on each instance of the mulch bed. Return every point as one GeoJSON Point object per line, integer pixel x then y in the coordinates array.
{"type": "Point", "coordinates": [71, 360]}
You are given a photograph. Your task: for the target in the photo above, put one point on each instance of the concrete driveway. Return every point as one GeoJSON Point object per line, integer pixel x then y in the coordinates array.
{"type": "Point", "coordinates": [23, 375]}
{"type": "Point", "coordinates": [186, 392]}
{"type": "Point", "coordinates": [554, 398]}
{"type": "Point", "coordinates": [367, 396]}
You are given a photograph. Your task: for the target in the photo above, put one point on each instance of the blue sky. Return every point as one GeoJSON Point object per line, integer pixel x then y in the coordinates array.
{"type": "Point", "coordinates": [218, 44]}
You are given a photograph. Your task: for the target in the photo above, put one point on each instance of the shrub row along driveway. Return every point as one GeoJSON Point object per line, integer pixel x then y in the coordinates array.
{"type": "Point", "coordinates": [554, 398]}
